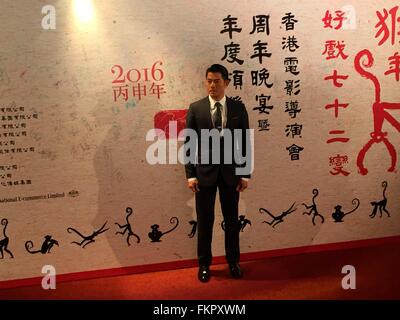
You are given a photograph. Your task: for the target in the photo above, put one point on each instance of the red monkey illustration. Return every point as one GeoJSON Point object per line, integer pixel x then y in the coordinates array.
{"type": "Point", "coordinates": [379, 113]}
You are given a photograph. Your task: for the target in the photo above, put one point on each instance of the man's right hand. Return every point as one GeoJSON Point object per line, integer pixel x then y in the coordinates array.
{"type": "Point", "coordinates": [193, 185]}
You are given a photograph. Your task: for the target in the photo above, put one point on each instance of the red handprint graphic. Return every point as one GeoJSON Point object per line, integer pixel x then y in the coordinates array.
{"type": "Point", "coordinates": [163, 118]}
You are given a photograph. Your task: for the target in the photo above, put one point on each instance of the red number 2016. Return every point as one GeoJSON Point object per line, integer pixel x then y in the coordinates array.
{"type": "Point", "coordinates": [135, 75]}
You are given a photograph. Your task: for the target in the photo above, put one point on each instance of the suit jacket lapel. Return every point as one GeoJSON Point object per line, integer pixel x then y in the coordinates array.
{"type": "Point", "coordinates": [229, 110]}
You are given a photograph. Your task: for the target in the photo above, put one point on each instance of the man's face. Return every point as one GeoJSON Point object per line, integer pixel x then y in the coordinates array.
{"type": "Point", "coordinates": [216, 85]}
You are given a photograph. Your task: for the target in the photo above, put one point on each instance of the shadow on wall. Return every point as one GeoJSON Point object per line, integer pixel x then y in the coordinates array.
{"type": "Point", "coordinates": [147, 207]}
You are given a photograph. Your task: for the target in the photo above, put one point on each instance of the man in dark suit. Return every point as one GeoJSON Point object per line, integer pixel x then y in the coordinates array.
{"type": "Point", "coordinates": [222, 118]}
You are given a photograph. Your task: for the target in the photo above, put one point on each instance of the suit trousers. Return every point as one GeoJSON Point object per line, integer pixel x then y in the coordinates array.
{"type": "Point", "coordinates": [205, 209]}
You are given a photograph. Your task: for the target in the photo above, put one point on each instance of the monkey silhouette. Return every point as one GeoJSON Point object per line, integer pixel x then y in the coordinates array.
{"type": "Point", "coordinates": [4, 242]}
{"type": "Point", "coordinates": [127, 227]}
{"type": "Point", "coordinates": [380, 112]}
{"type": "Point", "coordinates": [87, 239]}
{"type": "Point", "coordinates": [242, 222]}
{"type": "Point", "coordinates": [155, 234]}
{"type": "Point", "coordinates": [381, 205]}
{"type": "Point", "coordinates": [194, 228]}
{"type": "Point", "coordinates": [338, 215]}
{"type": "Point", "coordinates": [277, 219]}
{"type": "Point", "coordinates": [313, 207]}
{"type": "Point", "coordinates": [47, 244]}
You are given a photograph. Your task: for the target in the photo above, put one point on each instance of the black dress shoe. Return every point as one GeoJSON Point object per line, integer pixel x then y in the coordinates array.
{"type": "Point", "coordinates": [236, 271]}
{"type": "Point", "coordinates": [204, 273]}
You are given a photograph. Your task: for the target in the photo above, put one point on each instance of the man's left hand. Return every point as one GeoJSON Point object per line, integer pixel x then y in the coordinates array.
{"type": "Point", "coordinates": [242, 185]}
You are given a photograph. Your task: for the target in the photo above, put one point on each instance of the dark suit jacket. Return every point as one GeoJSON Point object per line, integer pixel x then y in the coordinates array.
{"type": "Point", "coordinates": [199, 117]}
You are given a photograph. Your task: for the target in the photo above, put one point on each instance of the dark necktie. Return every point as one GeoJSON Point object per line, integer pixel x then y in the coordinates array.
{"type": "Point", "coordinates": [218, 116]}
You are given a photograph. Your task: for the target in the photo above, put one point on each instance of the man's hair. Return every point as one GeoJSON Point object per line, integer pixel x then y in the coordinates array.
{"type": "Point", "coordinates": [220, 69]}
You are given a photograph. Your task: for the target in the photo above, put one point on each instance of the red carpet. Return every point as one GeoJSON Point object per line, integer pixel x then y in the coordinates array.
{"type": "Point", "coordinates": [302, 276]}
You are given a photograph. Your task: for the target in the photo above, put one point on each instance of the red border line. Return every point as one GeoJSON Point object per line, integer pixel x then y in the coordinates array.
{"type": "Point", "coordinates": [85, 275]}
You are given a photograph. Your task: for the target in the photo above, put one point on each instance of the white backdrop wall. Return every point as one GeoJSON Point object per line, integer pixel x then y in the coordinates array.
{"type": "Point", "coordinates": [79, 139]}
